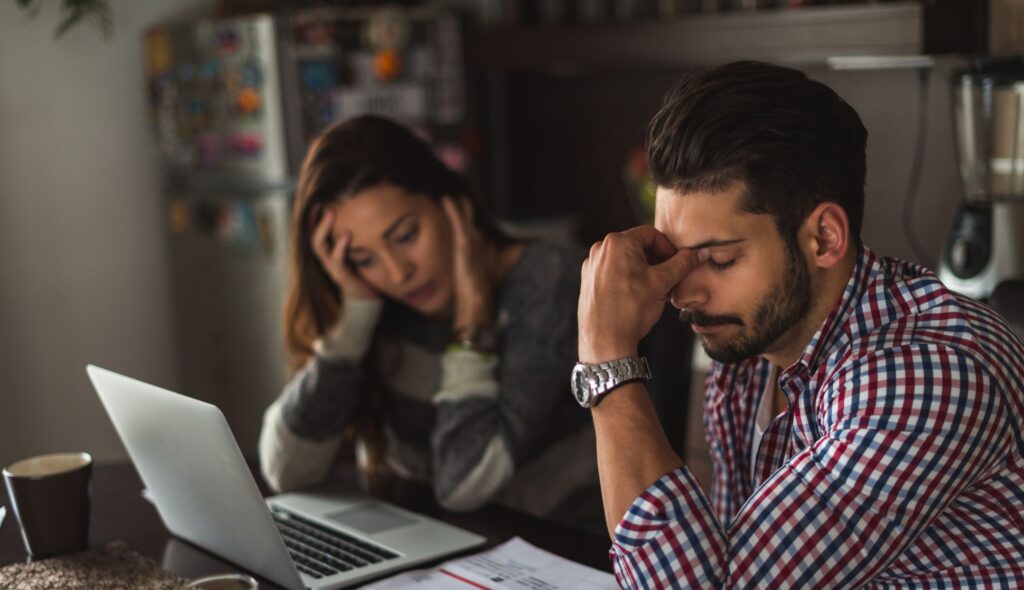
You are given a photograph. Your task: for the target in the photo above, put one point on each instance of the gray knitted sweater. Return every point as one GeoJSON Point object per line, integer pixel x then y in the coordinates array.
{"type": "Point", "coordinates": [477, 427]}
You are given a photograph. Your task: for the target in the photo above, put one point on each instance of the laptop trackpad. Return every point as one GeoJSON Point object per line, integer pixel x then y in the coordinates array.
{"type": "Point", "coordinates": [370, 518]}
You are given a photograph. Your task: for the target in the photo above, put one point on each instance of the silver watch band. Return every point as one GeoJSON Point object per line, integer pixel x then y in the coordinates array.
{"type": "Point", "coordinates": [611, 374]}
{"type": "Point", "coordinates": [591, 382]}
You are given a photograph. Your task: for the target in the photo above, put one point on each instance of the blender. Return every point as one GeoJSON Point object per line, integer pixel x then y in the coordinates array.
{"type": "Point", "coordinates": [983, 257]}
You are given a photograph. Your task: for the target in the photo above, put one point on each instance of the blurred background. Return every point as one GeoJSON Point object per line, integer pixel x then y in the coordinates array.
{"type": "Point", "coordinates": [148, 149]}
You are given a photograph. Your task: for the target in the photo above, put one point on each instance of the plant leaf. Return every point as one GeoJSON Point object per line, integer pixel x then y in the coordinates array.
{"type": "Point", "coordinates": [30, 7]}
{"type": "Point", "coordinates": [98, 13]}
{"type": "Point", "coordinates": [70, 20]}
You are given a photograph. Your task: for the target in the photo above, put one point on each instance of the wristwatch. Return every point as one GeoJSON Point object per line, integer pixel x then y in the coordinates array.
{"type": "Point", "coordinates": [590, 383]}
{"type": "Point", "coordinates": [482, 339]}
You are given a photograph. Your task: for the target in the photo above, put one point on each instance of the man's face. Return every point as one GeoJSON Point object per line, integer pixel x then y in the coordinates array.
{"type": "Point", "coordinates": [752, 292]}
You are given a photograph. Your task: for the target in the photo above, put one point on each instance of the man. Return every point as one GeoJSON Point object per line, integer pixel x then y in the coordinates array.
{"type": "Point", "coordinates": [865, 423]}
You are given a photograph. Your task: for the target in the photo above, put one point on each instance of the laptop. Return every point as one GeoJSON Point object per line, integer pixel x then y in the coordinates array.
{"type": "Point", "coordinates": [194, 471]}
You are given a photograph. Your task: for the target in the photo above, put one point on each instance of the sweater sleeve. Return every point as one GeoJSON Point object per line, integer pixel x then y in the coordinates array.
{"type": "Point", "coordinates": [496, 413]}
{"type": "Point", "coordinates": [303, 428]}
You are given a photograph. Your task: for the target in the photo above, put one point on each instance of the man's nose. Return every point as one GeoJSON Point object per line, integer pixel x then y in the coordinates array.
{"type": "Point", "coordinates": [690, 293]}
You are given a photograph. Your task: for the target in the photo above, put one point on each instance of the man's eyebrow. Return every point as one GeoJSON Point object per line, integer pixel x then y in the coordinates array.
{"type": "Point", "coordinates": [715, 243]}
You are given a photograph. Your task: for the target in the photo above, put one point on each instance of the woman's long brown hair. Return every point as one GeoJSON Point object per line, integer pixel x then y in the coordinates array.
{"type": "Point", "coordinates": [346, 159]}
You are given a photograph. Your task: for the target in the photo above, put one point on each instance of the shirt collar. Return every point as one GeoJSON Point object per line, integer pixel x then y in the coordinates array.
{"type": "Point", "coordinates": [835, 332]}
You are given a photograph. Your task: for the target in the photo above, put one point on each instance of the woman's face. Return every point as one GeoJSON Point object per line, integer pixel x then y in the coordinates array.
{"type": "Point", "coordinates": [401, 245]}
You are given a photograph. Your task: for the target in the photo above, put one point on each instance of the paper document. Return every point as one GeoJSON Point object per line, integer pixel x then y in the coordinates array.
{"type": "Point", "coordinates": [516, 564]}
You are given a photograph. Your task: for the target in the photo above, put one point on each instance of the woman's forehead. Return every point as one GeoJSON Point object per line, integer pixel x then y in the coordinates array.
{"type": "Point", "coordinates": [373, 213]}
{"type": "Point", "coordinates": [379, 203]}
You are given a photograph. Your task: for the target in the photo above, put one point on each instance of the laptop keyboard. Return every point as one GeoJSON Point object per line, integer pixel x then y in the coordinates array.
{"type": "Point", "coordinates": [319, 551]}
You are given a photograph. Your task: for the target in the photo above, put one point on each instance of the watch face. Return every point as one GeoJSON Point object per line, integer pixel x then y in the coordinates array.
{"type": "Point", "coordinates": [579, 386]}
{"type": "Point", "coordinates": [480, 339]}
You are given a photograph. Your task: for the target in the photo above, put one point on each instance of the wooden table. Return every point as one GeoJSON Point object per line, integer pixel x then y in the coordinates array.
{"type": "Point", "coordinates": [119, 512]}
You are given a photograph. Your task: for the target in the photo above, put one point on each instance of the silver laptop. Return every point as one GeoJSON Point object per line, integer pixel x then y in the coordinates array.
{"type": "Point", "coordinates": [188, 459]}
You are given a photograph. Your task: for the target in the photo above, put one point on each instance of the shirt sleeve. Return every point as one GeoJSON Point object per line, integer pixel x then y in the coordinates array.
{"type": "Point", "coordinates": [350, 339]}
{"type": "Point", "coordinates": [905, 430]}
{"type": "Point", "coordinates": [495, 413]}
{"type": "Point", "coordinates": [302, 430]}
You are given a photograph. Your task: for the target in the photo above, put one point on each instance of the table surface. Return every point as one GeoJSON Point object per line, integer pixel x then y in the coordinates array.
{"type": "Point", "coordinates": [119, 512]}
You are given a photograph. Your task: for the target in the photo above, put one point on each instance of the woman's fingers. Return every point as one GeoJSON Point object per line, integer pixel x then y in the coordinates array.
{"type": "Point", "coordinates": [453, 211]}
{"type": "Point", "coordinates": [319, 242]}
{"type": "Point", "coordinates": [332, 257]}
{"type": "Point", "coordinates": [471, 230]}
{"type": "Point", "coordinates": [467, 212]}
{"type": "Point", "coordinates": [339, 252]}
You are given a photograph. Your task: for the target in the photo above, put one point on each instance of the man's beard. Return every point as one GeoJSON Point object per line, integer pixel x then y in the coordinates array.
{"type": "Point", "coordinates": [788, 301]}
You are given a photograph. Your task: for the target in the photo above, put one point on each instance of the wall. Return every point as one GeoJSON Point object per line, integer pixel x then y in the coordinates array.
{"type": "Point", "coordinates": [83, 274]}
{"type": "Point", "coordinates": [888, 104]}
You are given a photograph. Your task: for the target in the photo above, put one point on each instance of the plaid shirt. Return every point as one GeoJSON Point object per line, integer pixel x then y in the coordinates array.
{"type": "Point", "coordinates": [898, 465]}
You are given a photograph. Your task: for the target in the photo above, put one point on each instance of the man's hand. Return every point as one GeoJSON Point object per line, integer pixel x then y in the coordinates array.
{"type": "Point", "coordinates": [623, 293]}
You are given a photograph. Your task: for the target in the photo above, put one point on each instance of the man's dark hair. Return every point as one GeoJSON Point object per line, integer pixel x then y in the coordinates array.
{"type": "Point", "coordinates": [793, 141]}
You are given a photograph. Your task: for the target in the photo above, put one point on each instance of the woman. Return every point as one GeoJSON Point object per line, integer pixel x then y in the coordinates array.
{"type": "Point", "coordinates": [439, 344]}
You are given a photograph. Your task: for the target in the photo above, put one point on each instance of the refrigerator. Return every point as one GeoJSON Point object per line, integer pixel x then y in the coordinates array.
{"type": "Point", "coordinates": [234, 104]}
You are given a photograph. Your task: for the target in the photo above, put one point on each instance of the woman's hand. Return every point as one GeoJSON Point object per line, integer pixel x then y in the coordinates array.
{"type": "Point", "coordinates": [332, 258]}
{"type": "Point", "coordinates": [474, 283]}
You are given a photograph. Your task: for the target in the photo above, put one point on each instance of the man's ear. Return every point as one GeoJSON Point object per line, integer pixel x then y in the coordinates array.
{"type": "Point", "coordinates": [826, 232]}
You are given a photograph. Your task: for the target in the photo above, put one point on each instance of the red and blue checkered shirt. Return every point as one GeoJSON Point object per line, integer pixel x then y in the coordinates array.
{"type": "Point", "coordinates": [899, 464]}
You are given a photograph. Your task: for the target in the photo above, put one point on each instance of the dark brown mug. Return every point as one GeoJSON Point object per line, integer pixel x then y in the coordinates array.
{"type": "Point", "coordinates": [50, 497]}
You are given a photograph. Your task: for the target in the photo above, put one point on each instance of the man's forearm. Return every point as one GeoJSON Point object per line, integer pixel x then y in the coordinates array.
{"type": "Point", "coordinates": [632, 450]}
{"type": "Point", "coordinates": [622, 295]}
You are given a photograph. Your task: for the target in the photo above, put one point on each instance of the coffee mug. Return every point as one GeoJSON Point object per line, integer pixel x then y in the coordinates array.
{"type": "Point", "coordinates": [224, 582]}
{"type": "Point", "coordinates": [50, 497]}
